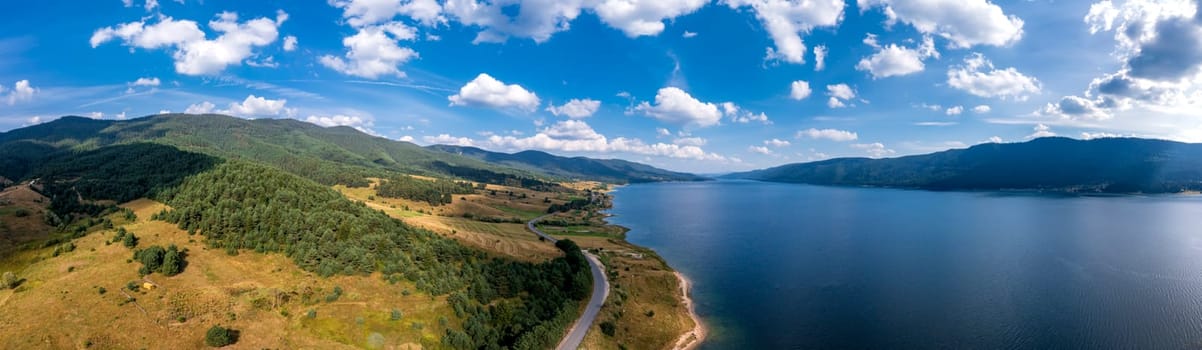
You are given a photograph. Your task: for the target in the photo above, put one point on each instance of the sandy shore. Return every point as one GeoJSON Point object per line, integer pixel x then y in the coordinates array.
{"type": "Point", "coordinates": [691, 339]}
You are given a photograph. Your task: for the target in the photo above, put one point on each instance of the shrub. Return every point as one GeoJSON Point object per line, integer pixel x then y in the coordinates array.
{"type": "Point", "coordinates": [219, 336]}
{"type": "Point", "coordinates": [101, 290]}
{"type": "Point", "coordinates": [130, 240]}
{"type": "Point", "coordinates": [22, 212]}
{"type": "Point", "coordinates": [396, 315]}
{"type": "Point", "coordinates": [608, 328]}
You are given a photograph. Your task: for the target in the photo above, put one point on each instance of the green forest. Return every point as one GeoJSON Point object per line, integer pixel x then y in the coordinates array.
{"type": "Point", "coordinates": [436, 192]}
{"type": "Point", "coordinates": [504, 304]}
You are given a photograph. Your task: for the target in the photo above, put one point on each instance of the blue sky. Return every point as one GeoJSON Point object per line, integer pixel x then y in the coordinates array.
{"type": "Point", "coordinates": [694, 85]}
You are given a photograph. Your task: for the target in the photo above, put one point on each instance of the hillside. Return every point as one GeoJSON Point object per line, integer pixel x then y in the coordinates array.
{"type": "Point", "coordinates": [335, 155]}
{"type": "Point", "coordinates": [1110, 165]}
{"type": "Point", "coordinates": [576, 168]}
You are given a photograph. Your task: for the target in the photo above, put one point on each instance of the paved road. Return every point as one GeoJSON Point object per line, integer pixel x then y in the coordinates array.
{"type": "Point", "coordinates": [576, 334]}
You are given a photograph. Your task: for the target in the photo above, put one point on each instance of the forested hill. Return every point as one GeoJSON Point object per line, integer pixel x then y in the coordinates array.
{"type": "Point", "coordinates": [337, 155]}
{"type": "Point", "coordinates": [1109, 165]}
{"type": "Point", "coordinates": [582, 168]}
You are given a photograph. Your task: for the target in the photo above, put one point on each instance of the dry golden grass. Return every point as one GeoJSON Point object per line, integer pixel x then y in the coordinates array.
{"type": "Point", "coordinates": [261, 295]}
{"type": "Point", "coordinates": [15, 229]}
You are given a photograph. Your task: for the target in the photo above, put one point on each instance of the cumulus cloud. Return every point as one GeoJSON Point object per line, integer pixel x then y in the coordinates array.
{"type": "Point", "coordinates": [487, 91]}
{"type": "Point", "coordinates": [255, 106]}
{"type": "Point", "coordinates": [1041, 131]}
{"type": "Point", "coordinates": [22, 91]}
{"type": "Point", "coordinates": [874, 150]}
{"type": "Point", "coordinates": [893, 60]}
{"type": "Point", "coordinates": [578, 136]}
{"type": "Point", "coordinates": [252, 106]}
{"type": "Point", "coordinates": [839, 95]}
{"type": "Point", "coordinates": [759, 149]}
{"type": "Point", "coordinates": [576, 108]}
{"type": "Point", "coordinates": [192, 52]}
{"type": "Point", "coordinates": [290, 43]}
{"type": "Point", "coordinates": [688, 34]}
{"type": "Point", "coordinates": [828, 134]}
{"type": "Point", "coordinates": [673, 105]}
{"type": "Point", "coordinates": [1076, 108]}
{"type": "Point", "coordinates": [643, 17]}
{"type": "Point", "coordinates": [979, 77]}
{"type": "Point", "coordinates": [982, 109]}
{"type": "Point", "coordinates": [360, 123]}
{"type": "Point", "coordinates": [778, 143]}
{"type": "Point", "coordinates": [690, 141]}
{"type": "Point", "coordinates": [995, 139]}
{"type": "Point", "coordinates": [204, 107]}
{"type": "Point", "coordinates": [799, 90]}
{"type": "Point", "coordinates": [1158, 45]}
{"type": "Point", "coordinates": [964, 23]}
{"type": "Point", "coordinates": [374, 51]}
{"type": "Point", "coordinates": [955, 110]}
{"type": "Point", "coordinates": [150, 81]}
{"type": "Point", "coordinates": [786, 21]}
{"type": "Point", "coordinates": [446, 139]}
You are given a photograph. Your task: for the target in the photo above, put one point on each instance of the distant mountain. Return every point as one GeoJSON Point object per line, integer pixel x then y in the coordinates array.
{"type": "Point", "coordinates": [334, 155]}
{"type": "Point", "coordinates": [581, 168]}
{"type": "Point", "coordinates": [1110, 165]}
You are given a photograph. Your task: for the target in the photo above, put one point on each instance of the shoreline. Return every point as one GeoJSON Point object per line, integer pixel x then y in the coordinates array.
{"type": "Point", "coordinates": [693, 338]}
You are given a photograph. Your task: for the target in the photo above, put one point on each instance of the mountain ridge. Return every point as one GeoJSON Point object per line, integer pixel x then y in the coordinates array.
{"type": "Point", "coordinates": [1108, 165]}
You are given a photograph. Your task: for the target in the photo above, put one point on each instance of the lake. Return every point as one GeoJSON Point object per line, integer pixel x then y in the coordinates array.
{"type": "Point", "coordinates": [785, 266]}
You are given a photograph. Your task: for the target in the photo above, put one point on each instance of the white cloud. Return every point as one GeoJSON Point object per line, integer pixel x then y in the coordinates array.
{"type": "Point", "coordinates": [119, 116]}
{"type": "Point", "coordinates": [445, 139]}
{"type": "Point", "coordinates": [690, 141]}
{"type": "Point", "coordinates": [34, 120]}
{"type": "Point", "coordinates": [995, 139]}
{"type": "Point", "coordinates": [192, 52]}
{"type": "Point", "coordinates": [893, 60]}
{"type": "Point", "coordinates": [643, 17]}
{"type": "Point", "coordinates": [22, 91]}
{"type": "Point", "coordinates": [978, 76]}
{"type": "Point", "coordinates": [673, 105]}
{"type": "Point", "coordinates": [486, 91]}
{"type": "Point", "coordinates": [96, 115]}
{"type": "Point", "coordinates": [741, 116]}
{"type": "Point", "coordinates": [982, 109]}
{"type": "Point", "coordinates": [374, 51]}
{"type": "Point", "coordinates": [578, 136]}
{"type": "Point", "coordinates": [786, 21]}
{"type": "Point", "coordinates": [1100, 135]}
{"type": "Point", "coordinates": [1041, 131]}
{"type": "Point", "coordinates": [828, 134]}
{"type": "Point", "coordinates": [955, 110]}
{"type": "Point", "coordinates": [778, 143]}
{"type": "Point", "coordinates": [406, 138]}
{"type": "Point", "coordinates": [874, 150]}
{"type": "Point", "coordinates": [839, 93]}
{"type": "Point", "coordinates": [290, 43]}
{"type": "Point", "coordinates": [254, 106]}
{"type": "Point", "coordinates": [661, 132]}
{"type": "Point", "coordinates": [759, 149]}
{"type": "Point", "coordinates": [799, 90]}
{"type": "Point", "coordinates": [963, 22]}
{"type": "Point", "coordinates": [820, 52]}
{"type": "Point", "coordinates": [576, 108]}
{"type": "Point", "coordinates": [688, 34]}
{"type": "Point", "coordinates": [151, 81]}
{"type": "Point", "coordinates": [204, 107]}
{"type": "Point", "coordinates": [360, 123]}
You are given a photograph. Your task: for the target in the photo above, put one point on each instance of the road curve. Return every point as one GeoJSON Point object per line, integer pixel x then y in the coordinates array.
{"type": "Point", "coordinates": [576, 334]}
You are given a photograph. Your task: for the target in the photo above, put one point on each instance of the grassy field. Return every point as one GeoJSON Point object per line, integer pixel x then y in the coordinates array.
{"type": "Point", "coordinates": [266, 297]}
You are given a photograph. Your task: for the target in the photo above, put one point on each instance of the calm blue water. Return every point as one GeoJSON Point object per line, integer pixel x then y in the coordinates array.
{"type": "Point", "coordinates": [781, 266]}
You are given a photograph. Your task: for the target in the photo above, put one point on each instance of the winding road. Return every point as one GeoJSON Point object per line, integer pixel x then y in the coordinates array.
{"type": "Point", "coordinates": [576, 334]}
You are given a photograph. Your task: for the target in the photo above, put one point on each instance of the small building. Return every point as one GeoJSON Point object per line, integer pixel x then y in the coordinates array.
{"type": "Point", "coordinates": [149, 286]}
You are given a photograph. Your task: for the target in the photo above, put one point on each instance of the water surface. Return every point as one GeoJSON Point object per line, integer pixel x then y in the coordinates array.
{"type": "Point", "coordinates": [783, 266]}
